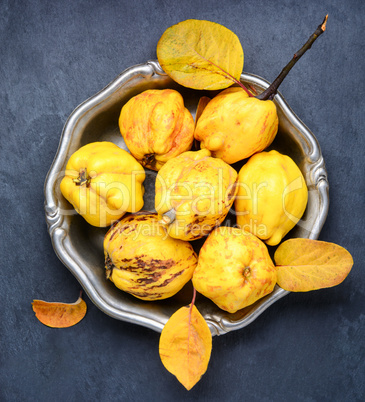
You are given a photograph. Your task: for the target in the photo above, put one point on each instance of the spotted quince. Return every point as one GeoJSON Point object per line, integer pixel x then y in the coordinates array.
{"type": "Point", "coordinates": [194, 193]}
{"type": "Point", "coordinates": [143, 260]}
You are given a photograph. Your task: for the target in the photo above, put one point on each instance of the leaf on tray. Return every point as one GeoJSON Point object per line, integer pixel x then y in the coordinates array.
{"type": "Point", "coordinates": [59, 315]}
{"type": "Point", "coordinates": [304, 265]}
{"type": "Point", "coordinates": [185, 345]}
{"type": "Point", "coordinates": [201, 54]}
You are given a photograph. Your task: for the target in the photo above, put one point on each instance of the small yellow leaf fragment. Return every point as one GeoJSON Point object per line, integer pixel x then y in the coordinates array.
{"type": "Point", "coordinates": [203, 101]}
{"type": "Point", "coordinates": [304, 265]}
{"type": "Point", "coordinates": [59, 315]}
{"type": "Point", "coordinates": [185, 346]}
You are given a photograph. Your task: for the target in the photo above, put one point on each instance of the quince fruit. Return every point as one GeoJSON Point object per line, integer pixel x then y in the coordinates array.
{"type": "Point", "coordinates": [103, 182]}
{"type": "Point", "coordinates": [272, 196]}
{"type": "Point", "coordinates": [194, 193]}
{"type": "Point", "coordinates": [234, 269]}
{"type": "Point", "coordinates": [234, 126]}
{"type": "Point", "coordinates": [156, 126]}
{"type": "Point", "coordinates": [143, 260]}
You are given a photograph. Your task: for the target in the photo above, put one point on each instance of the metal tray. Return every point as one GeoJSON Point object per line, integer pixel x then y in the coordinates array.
{"type": "Point", "coordinates": [80, 246]}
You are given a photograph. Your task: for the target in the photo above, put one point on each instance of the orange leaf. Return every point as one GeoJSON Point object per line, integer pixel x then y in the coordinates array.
{"type": "Point", "coordinates": [59, 315]}
{"type": "Point", "coordinates": [203, 101]}
{"type": "Point", "coordinates": [185, 346]}
{"type": "Point", "coordinates": [304, 264]}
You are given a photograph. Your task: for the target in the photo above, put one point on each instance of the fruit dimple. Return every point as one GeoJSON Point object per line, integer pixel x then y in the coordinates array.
{"type": "Point", "coordinates": [247, 272]}
{"type": "Point", "coordinates": [149, 160]}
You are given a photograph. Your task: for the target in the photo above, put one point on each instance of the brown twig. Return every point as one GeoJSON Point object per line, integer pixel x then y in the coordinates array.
{"type": "Point", "coordinates": [271, 91]}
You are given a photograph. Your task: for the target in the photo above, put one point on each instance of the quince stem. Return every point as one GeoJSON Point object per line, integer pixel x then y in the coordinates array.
{"type": "Point", "coordinates": [168, 217]}
{"type": "Point", "coordinates": [271, 91]}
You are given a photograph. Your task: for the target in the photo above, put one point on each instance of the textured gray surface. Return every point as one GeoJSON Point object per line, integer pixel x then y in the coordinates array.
{"type": "Point", "coordinates": [54, 55]}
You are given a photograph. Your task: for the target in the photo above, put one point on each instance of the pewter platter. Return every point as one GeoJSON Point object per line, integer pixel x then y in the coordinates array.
{"type": "Point", "coordinates": [80, 246]}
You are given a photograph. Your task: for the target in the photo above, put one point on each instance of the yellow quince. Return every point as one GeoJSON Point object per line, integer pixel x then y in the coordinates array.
{"type": "Point", "coordinates": [143, 260]}
{"type": "Point", "coordinates": [234, 269]}
{"type": "Point", "coordinates": [156, 126]}
{"type": "Point", "coordinates": [234, 126]}
{"type": "Point", "coordinates": [194, 193]}
{"type": "Point", "coordinates": [272, 196]}
{"type": "Point", "coordinates": [103, 182]}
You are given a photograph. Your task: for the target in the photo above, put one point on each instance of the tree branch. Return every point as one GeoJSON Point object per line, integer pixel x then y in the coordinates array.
{"type": "Point", "coordinates": [271, 91]}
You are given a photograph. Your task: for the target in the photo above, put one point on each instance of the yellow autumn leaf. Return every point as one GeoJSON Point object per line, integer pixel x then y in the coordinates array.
{"type": "Point", "coordinates": [185, 346]}
{"type": "Point", "coordinates": [201, 54]}
{"type": "Point", "coordinates": [59, 315]}
{"type": "Point", "coordinates": [304, 265]}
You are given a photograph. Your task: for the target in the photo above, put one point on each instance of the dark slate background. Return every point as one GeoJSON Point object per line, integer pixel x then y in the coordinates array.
{"type": "Point", "coordinates": [56, 54]}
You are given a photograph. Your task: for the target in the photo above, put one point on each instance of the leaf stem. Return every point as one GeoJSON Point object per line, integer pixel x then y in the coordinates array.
{"type": "Point", "coordinates": [243, 87]}
{"type": "Point", "coordinates": [227, 74]}
{"type": "Point", "coordinates": [189, 321]}
{"type": "Point", "coordinates": [271, 91]}
{"type": "Point", "coordinates": [193, 300]}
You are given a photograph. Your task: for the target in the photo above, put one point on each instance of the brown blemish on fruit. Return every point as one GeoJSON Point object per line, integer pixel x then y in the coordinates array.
{"type": "Point", "coordinates": [112, 235]}
{"type": "Point", "coordinates": [170, 279]}
{"type": "Point", "coordinates": [154, 277]}
{"type": "Point", "coordinates": [109, 266]}
{"type": "Point", "coordinates": [198, 236]}
{"type": "Point", "coordinates": [188, 228]}
{"type": "Point", "coordinates": [142, 218]}
{"type": "Point", "coordinates": [139, 263]}
{"type": "Point", "coordinates": [145, 295]}
{"type": "Point", "coordinates": [232, 191]}
{"type": "Point", "coordinates": [130, 218]}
